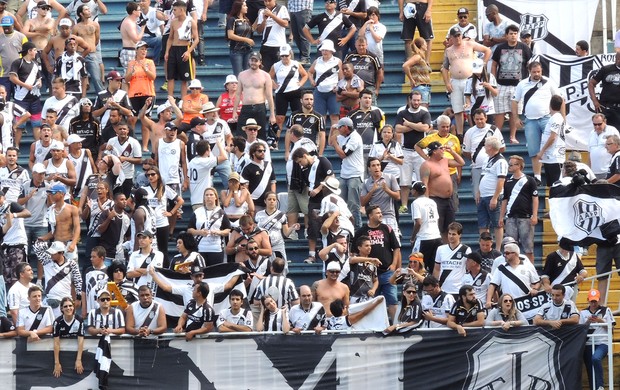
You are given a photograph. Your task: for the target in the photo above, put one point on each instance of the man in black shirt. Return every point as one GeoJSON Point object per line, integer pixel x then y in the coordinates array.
{"type": "Point", "coordinates": [198, 317]}
{"type": "Point", "coordinates": [367, 66]}
{"type": "Point", "coordinates": [260, 175]}
{"type": "Point", "coordinates": [330, 24]}
{"type": "Point", "coordinates": [609, 103]}
{"type": "Point", "coordinates": [412, 121]}
{"type": "Point", "coordinates": [510, 60]}
{"type": "Point", "coordinates": [385, 247]}
{"type": "Point", "coordinates": [311, 121]}
{"type": "Point", "coordinates": [87, 127]}
{"type": "Point", "coordinates": [466, 312]}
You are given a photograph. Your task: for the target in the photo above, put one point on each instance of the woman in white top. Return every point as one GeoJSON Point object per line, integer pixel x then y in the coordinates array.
{"type": "Point", "coordinates": [374, 32]}
{"type": "Point", "coordinates": [324, 75]}
{"type": "Point", "coordinates": [160, 196]}
{"type": "Point", "coordinates": [288, 78]}
{"type": "Point", "coordinates": [236, 200]}
{"type": "Point", "coordinates": [480, 89]}
{"type": "Point", "coordinates": [209, 225]}
{"type": "Point", "coordinates": [388, 151]}
{"type": "Point", "coordinates": [272, 318]}
{"type": "Point", "coordinates": [275, 223]}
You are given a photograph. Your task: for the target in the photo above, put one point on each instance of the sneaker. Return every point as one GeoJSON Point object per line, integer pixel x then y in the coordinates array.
{"type": "Point", "coordinates": [310, 260]}
{"type": "Point", "coordinates": [403, 209]}
{"type": "Point", "coordinates": [164, 86]}
{"type": "Point", "coordinates": [305, 61]}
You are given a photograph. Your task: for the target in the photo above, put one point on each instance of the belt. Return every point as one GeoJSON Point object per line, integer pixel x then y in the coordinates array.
{"type": "Point", "coordinates": [129, 48]}
{"type": "Point", "coordinates": [423, 85]}
{"type": "Point", "coordinates": [6, 246]}
{"type": "Point", "coordinates": [259, 105]}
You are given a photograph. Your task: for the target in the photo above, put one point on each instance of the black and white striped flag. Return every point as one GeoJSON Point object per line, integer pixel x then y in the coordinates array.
{"type": "Point", "coordinates": [585, 214]}
{"type": "Point", "coordinates": [103, 361]}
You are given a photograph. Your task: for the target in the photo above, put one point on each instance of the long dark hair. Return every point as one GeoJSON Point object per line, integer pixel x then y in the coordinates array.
{"type": "Point", "coordinates": [403, 300]}
{"type": "Point", "coordinates": [484, 77]}
{"type": "Point", "coordinates": [235, 10]}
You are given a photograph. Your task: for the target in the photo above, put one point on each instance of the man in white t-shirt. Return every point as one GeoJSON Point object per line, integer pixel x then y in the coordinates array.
{"type": "Point", "coordinates": [426, 237]}
{"type": "Point", "coordinates": [599, 158]}
{"type": "Point", "coordinates": [559, 311]}
{"type": "Point", "coordinates": [128, 150]}
{"type": "Point", "coordinates": [144, 258]}
{"type": "Point", "coordinates": [17, 297]}
{"type": "Point", "coordinates": [491, 189]}
{"type": "Point", "coordinates": [552, 152]}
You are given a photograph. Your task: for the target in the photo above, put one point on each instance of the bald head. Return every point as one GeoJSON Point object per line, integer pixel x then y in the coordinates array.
{"type": "Point", "coordinates": [305, 296]}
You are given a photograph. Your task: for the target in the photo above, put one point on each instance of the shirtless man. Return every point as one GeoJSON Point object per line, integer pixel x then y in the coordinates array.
{"type": "Point", "coordinates": [239, 239]}
{"type": "Point", "coordinates": [435, 175]}
{"type": "Point", "coordinates": [256, 87]}
{"type": "Point", "coordinates": [90, 31]}
{"type": "Point", "coordinates": [64, 221]}
{"type": "Point", "coordinates": [57, 44]}
{"type": "Point", "coordinates": [348, 90]}
{"type": "Point", "coordinates": [130, 34]}
{"type": "Point", "coordinates": [40, 28]}
{"type": "Point", "coordinates": [155, 130]}
{"type": "Point", "coordinates": [181, 43]}
{"type": "Point", "coordinates": [329, 289]}
{"type": "Point", "coordinates": [457, 68]}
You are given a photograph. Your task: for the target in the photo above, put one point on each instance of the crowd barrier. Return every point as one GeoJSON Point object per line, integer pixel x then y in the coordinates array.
{"type": "Point", "coordinates": [487, 358]}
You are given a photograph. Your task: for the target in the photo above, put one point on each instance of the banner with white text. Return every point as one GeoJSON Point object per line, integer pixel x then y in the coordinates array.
{"type": "Point", "coordinates": [523, 358]}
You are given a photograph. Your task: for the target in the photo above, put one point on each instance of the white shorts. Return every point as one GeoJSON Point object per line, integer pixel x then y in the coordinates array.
{"type": "Point", "coordinates": [457, 97]}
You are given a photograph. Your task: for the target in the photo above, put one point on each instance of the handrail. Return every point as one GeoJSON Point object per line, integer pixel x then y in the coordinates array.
{"type": "Point", "coordinates": [596, 277]}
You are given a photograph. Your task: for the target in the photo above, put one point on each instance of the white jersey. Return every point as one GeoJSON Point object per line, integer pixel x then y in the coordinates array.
{"type": "Point", "coordinates": [61, 170]}
{"type": "Point", "coordinates": [12, 181]}
{"type": "Point", "coordinates": [82, 161]}
{"type": "Point", "coordinates": [552, 312]}
{"type": "Point", "coordinates": [139, 260]}
{"type": "Point", "coordinates": [200, 177]}
{"type": "Point", "coordinates": [473, 143]}
{"type": "Point", "coordinates": [304, 319]}
{"type": "Point", "coordinates": [27, 317]}
{"type": "Point", "coordinates": [332, 66]}
{"type": "Point", "coordinates": [333, 202]}
{"type": "Point", "coordinates": [353, 164]}
{"type": "Point", "coordinates": [113, 320]}
{"type": "Point", "coordinates": [274, 35]}
{"type": "Point", "coordinates": [440, 307]}
{"type": "Point", "coordinates": [169, 161]}
{"type": "Point", "coordinates": [41, 152]}
{"type": "Point", "coordinates": [556, 153]}
{"type": "Point", "coordinates": [600, 159]}
{"type": "Point", "coordinates": [95, 280]}
{"type": "Point", "coordinates": [67, 108]}
{"type": "Point", "coordinates": [16, 235]}
{"type": "Point", "coordinates": [219, 130]}
{"type": "Point", "coordinates": [130, 148]}
{"type": "Point", "coordinates": [452, 266]}
{"type": "Point", "coordinates": [209, 220]}
{"type": "Point", "coordinates": [140, 314]}
{"type": "Point", "coordinates": [244, 317]}
{"type": "Point", "coordinates": [159, 205]}
{"type": "Point", "coordinates": [287, 76]}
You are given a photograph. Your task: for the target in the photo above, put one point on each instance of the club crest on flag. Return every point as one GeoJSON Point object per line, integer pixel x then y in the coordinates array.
{"type": "Point", "coordinates": [588, 215]}
{"type": "Point", "coordinates": [536, 25]}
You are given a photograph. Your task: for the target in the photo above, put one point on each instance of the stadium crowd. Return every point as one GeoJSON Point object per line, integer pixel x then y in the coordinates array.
{"type": "Point", "coordinates": [93, 186]}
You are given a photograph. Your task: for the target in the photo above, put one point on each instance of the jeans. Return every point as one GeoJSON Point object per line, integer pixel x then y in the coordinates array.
{"type": "Point", "coordinates": [298, 21]}
{"type": "Point", "coordinates": [155, 45]}
{"type": "Point", "coordinates": [351, 189]}
{"type": "Point", "coordinates": [387, 289]}
{"type": "Point", "coordinates": [533, 129]}
{"type": "Point", "coordinates": [2, 297]}
{"type": "Point", "coordinates": [595, 360]}
{"type": "Point", "coordinates": [239, 61]}
{"type": "Point", "coordinates": [223, 170]}
{"type": "Point", "coordinates": [92, 67]}
{"type": "Point", "coordinates": [201, 37]}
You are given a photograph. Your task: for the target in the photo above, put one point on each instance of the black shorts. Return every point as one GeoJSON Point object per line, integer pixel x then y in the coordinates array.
{"type": "Point", "coordinates": [283, 100]}
{"type": "Point", "coordinates": [137, 102]}
{"type": "Point", "coordinates": [177, 68]}
{"type": "Point", "coordinates": [410, 25]}
{"type": "Point", "coordinates": [445, 208]}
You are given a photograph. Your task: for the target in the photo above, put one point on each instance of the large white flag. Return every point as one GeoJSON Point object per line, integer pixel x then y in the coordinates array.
{"type": "Point", "coordinates": [555, 25]}
{"type": "Point", "coordinates": [585, 214]}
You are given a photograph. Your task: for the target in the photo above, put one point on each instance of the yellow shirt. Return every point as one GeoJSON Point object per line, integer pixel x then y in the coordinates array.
{"type": "Point", "coordinates": [450, 140]}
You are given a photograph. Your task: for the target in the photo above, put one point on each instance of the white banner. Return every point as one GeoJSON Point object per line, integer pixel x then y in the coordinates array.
{"type": "Point", "coordinates": [572, 74]}
{"type": "Point", "coordinates": [556, 25]}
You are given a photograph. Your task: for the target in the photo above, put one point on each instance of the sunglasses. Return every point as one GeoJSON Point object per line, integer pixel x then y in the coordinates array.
{"type": "Point", "coordinates": [333, 272]}
{"type": "Point", "coordinates": [104, 299]}
{"type": "Point", "coordinates": [508, 253]}
{"type": "Point", "coordinates": [252, 129]}
{"type": "Point", "coordinates": [410, 292]}
{"type": "Point", "coordinates": [463, 16]}
{"type": "Point", "coordinates": [253, 249]}
{"type": "Point", "coordinates": [151, 174]}
{"type": "Point", "coordinates": [597, 124]}
{"type": "Point", "coordinates": [67, 306]}
{"type": "Point", "coordinates": [260, 151]}
{"type": "Point", "coordinates": [507, 300]}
